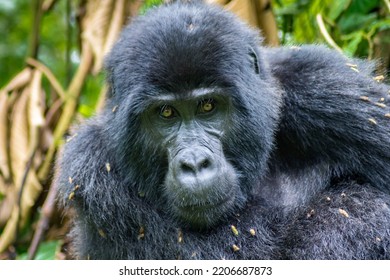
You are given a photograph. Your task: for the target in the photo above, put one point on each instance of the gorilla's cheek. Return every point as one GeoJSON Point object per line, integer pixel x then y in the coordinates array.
{"type": "Point", "coordinates": [201, 188]}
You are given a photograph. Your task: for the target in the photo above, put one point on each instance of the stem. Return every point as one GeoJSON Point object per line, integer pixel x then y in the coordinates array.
{"type": "Point", "coordinates": [43, 224]}
{"type": "Point", "coordinates": [326, 35]}
{"type": "Point", "coordinates": [387, 3]}
{"type": "Point", "coordinates": [35, 36]}
{"type": "Point", "coordinates": [68, 64]}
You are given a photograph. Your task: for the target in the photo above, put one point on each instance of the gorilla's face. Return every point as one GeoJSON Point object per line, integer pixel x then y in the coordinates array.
{"type": "Point", "coordinates": [199, 112]}
{"type": "Point", "coordinates": [201, 186]}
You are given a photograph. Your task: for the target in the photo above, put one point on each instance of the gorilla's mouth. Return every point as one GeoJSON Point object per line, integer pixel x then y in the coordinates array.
{"type": "Point", "coordinates": [199, 207]}
{"type": "Point", "coordinates": [201, 189]}
{"type": "Point", "coordinates": [205, 214]}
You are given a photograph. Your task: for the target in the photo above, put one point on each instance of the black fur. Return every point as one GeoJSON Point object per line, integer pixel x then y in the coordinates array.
{"type": "Point", "coordinates": [307, 137]}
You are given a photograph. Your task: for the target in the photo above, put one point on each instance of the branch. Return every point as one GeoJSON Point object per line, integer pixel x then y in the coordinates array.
{"type": "Point", "coordinates": [387, 3]}
{"type": "Point", "coordinates": [49, 75]}
{"type": "Point", "coordinates": [34, 39]}
{"type": "Point", "coordinates": [43, 224]}
{"type": "Point", "coordinates": [326, 35]}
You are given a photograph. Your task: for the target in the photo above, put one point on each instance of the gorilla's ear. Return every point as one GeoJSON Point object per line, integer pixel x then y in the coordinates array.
{"type": "Point", "coordinates": [255, 60]}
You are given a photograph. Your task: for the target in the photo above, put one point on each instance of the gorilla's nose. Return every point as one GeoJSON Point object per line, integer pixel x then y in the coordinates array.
{"type": "Point", "coordinates": [194, 164]}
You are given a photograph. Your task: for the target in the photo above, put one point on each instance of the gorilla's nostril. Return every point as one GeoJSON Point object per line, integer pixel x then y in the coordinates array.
{"type": "Point", "coordinates": [205, 164]}
{"type": "Point", "coordinates": [187, 167]}
{"type": "Point", "coordinates": [195, 165]}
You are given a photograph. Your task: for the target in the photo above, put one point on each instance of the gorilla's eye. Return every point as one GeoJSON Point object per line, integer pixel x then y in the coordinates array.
{"type": "Point", "coordinates": [207, 105]}
{"type": "Point", "coordinates": [167, 111]}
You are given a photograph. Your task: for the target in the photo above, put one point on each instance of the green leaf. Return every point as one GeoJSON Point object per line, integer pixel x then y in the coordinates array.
{"type": "Point", "coordinates": [349, 23]}
{"type": "Point", "coordinates": [150, 4]}
{"type": "Point", "coordinates": [352, 46]}
{"type": "Point", "coordinates": [338, 8]}
{"type": "Point", "coordinates": [363, 6]}
{"type": "Point", "coordinates": [86, 111]}
{"type": "Point", "coordinates": [46, 251]}
{"type": "Point", "coordinates": [380, 25]}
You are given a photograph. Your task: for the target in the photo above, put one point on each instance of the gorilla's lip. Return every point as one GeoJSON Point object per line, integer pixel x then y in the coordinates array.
{"type": "Point", "coordinates": [205, 206]}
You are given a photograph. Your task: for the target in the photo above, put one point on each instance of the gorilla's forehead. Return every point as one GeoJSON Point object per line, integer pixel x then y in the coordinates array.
{"type": "Point", "coordinates": [186, 95]}
{"type": "Point", "coordinates": [196, 48]}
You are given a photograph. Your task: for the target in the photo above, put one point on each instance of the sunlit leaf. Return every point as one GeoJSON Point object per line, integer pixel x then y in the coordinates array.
{"type": "Point", "coordinates": [7, 201]}
{"type": "Point", "coordinates": [9, 233]}
{"type": "Point", "coordinates": [36, 102]}
{"type": "Point", "coordinates": [244, 9]}
{"type": "Point", "coordinates": [102, 26]}
{"type": "Point", "coordinates": [4, 167]}
{"type": "Point", "coordinates": [49, 75]}
{"type": "Point", "coordinates": [19, 136]}
{"type": "Point", "coordinates": [19, 80]}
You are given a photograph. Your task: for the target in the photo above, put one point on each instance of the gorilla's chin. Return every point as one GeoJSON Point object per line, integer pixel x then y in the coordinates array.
{"type": "Point", "coordinates": [202, 196]}
{"type": "Point", "coordinates": [205, 215]}
{"type": "Point", "coordinates": [200, 214]}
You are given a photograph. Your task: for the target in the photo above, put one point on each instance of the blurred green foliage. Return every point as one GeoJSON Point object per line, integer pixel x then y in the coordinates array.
{"type": "Point", "coordinates": [58, 47]}
{"type": "Point", "coordinates": [16, 20]}
{"type": "Point", "coordinates": [149, 4]}
{"type": "Point", "coordinates": [352, 24]}
{"type": "Point", "coordinates": [47, 251]}
{"type": "Point", "coordinates": [15, 25]}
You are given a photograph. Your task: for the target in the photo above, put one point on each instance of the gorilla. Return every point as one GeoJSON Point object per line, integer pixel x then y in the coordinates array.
{"type": "Point", "coordinates": [211, 146]}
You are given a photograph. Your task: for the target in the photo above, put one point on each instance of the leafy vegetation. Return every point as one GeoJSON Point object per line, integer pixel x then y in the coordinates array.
{"type": "Point", "coordinates": [359, 27]}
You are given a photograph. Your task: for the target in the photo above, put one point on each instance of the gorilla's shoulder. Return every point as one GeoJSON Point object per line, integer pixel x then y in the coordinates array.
{"type": "Point", "coordinates": [315, 65]}
{"type": "Point", "coordinates": [313, 58]}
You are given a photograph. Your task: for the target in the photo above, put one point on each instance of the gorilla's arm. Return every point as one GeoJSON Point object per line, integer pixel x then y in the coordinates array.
{"type": "Point", "coordinates": [334, 113]}
{"type": "Point", "coordinates": [88, 182]}
{"type": "Point", "coordinates": [335, 116]}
